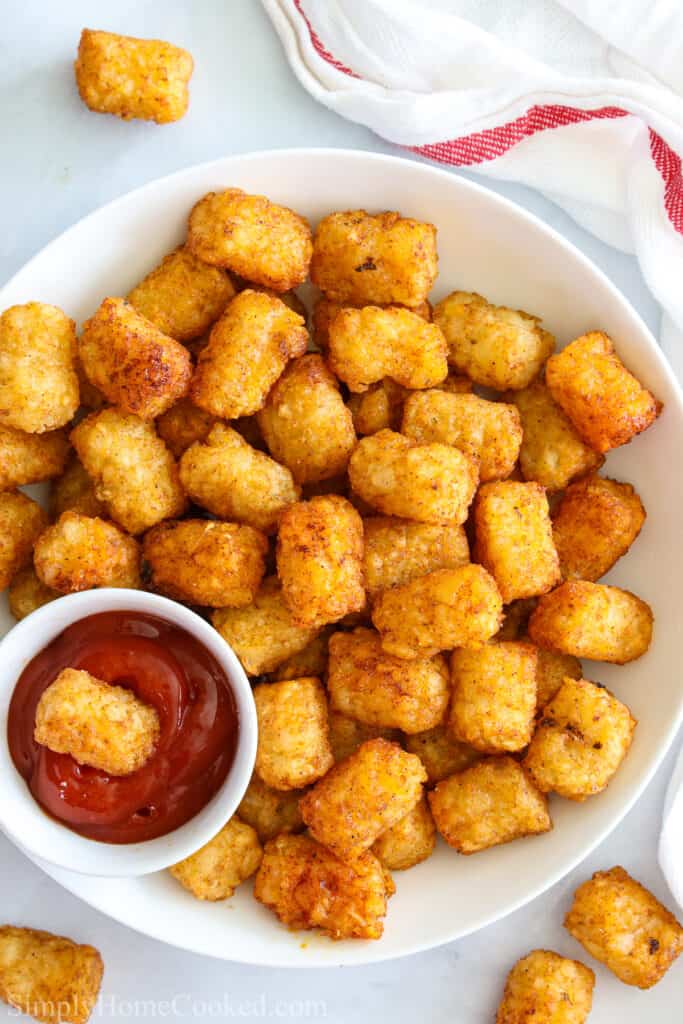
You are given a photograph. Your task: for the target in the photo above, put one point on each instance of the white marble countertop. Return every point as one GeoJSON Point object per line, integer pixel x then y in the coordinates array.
{"type": "Point", "coordinates": [58, 163]}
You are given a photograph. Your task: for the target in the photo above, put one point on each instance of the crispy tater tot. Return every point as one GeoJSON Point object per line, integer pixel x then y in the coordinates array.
{"type": "Point", "coordinates": [265, 243]}
{"type": "Point", "coordinates": [432, 483]}
{"type": "Point", "coordinates": [582, 737]}
{"type": "Point", "coordinates": [320, 560]}
{"type": "Point", "coordinates": [205, 562]}
{"type": "Point", "coordinates": [228, 477]}
{"type": "Point", "coordinates": [82, 552]}
{"type": "Point", "coordinates": [129, 77]}
{"type": "Point", "coordinates": [514, 538]}
{"type": "Point", "coordinates": [293, 734]}
{"type": "Point", "coordinates": [131, 362]}
{"type": "Point", "coordinates": [606, 404]}
{"type": "Point", "coordinates": [263, 635]}
{"type": "Point", "coordinates": [227, 860]}
{"type": "Point", "coordinates": [619, 922]}
{"type": "Point", "coordinates": [368, 344]}
{"type": "Point", "coordinates": [347, 734]}
{"type": "Point", "coordinates": [311, 661]}
{"type": "Point", "coordinates": [101, 725]}
{"type": "Point", "coordinates": [363, 796]}
{"type": "Point", "coordinates": [410, 841]}
{"type": "Point", "coordinates": [183, 296]}
{"type": "Point", "coordinates": [493, 801]}
{"type": "Point", "coordinates": [494, 696]}
{"type": "Point", "coordinates": [440, 754]}
{"type": "Point", "coordinates": [547, 988]}
{"type": "Point", "coordinates": [498, 347]}
{"type": "Point", "coordinates": [490, 432]}
{"type": "Point", "coordinates": [378, 408]}
{"type": "Point", "coordinates": [74, 491]}
{"type": "Point", "coordinates": [379, 689]}
{"type": "Point", "coordinates": [591, 620]}
{"type": "Point", "coordinates": [48, 976]}
{"type": "Point", "coordinates": [183, 425]}
{"type": "Point", "coordinates": [30, 458]}
{"type": "Point", "coordinates": [270, 812]}
{"type": "Point", "coordinates": [308, 887]}
{"type": "Point", "coordinates": [595, 524]}
{"type": "Point", "coordinates": [38, 380]}
{"type": "Point", "coordinates": [397, 551]}
{"type": "Point", "coordinates": [445, 609]}
{"type": "Point", "coordinates": [325, 310]}
{"type": "Point", "coordinates": [360, 258]}
{"type": "Point", "coordinates": [134, 473]}
{"type": "Point", "coordinates": [247, 351]}
{"type": "Point", "coordinates": [27, 592]}
{"type": "Point", "coordinates": [552, 668]}
{"type": "Point", "coordinates": [305, 423]}
{"type": "Point", "coordinates": [21, 523]}
{"type": "Point", "coordinates": [552, 452]}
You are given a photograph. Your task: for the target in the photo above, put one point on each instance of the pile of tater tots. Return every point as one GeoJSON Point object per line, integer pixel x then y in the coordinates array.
{"type": "Point", "coordinates": [396, 519]}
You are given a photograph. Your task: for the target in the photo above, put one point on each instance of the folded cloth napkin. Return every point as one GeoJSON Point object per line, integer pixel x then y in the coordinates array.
{"type": "Point", "coordinates": [581, 100]}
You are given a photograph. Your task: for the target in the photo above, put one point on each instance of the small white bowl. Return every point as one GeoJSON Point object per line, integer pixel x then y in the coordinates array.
{"type": "Point", "coordinates": [42, 836]}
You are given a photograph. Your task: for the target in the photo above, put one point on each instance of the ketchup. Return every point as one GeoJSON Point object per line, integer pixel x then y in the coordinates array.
{"type": "Point", "coordinates": [167, 668]}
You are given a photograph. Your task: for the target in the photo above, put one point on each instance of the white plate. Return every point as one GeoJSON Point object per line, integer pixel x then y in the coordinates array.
{"type": "Point", "coordinates": [486, 244]}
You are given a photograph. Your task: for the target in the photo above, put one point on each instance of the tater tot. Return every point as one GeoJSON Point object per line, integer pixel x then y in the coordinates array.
{"type": "Point", "coordinates": [228, 477]}
{"type": "Point", "coordinates": [410, 841]}
{"type": "Point", "coordinates": [606, 404]}
{"type": "Point", "coordinates": [263, 635]}
{"type": "Point", "coordinates": [101, 725]}
{"type": "Point", "coordinates": [347, 734]}
{"type": "Point", "coordinates": [38, 380]}
{"type": "Point", "coordinates": [552, 452]}
{"type": "Point", "coordinates": [494, 696]}
{"type": "Point", "coordinates": [27, 592]}
{"type": "Point", "coordinates": [325, 310]}
{"type": "Point", "coordinates": [74, 491]}
{"type": "Point", "coordinates": [30, 458]}
{"type": "Point", "coordinates": [547, 988]}
{"type": "Point", "coordinates": [514, 538]}
{"type": "Point", "coordinates": [134, 473]}
{"type": "Point", "coordinates": [360, 258]}
{"type": "Point", "coordinates": [305, 423]}
{"type": "Point", "coordinates": [498, 347]}
{"type": "Point", "coordinates": [82, 552]}
{"type": "Point", "coordinates": [619, 922]}
{"type": "Point", "coordinates": [270, 812]}
{"type": "Point", "coordinates": [445, 609]}
{"type": "Point", "coordinates": [363, 796]}
{"type": "Point", "coordinates": [489, 432]}
{"type": "Point", "coordinates": [582, 737]}
{"type": "Point", "coordinates": [320, 560]}
{"type": "Point", "coordinates": [48, 976]}
{"type": "Point", "coordinates": [205, 562]}
{"type": "Point", "coordinates": [247, 351]}
{"type": "Point", "coordinates": [368, 344]}
{"type": "Point", "coordinates": [397, 551]}
{"type": "Point", "coordinates": [134, 365]}
{"type": "Point", "coordinates": [379, 689]}
{"type": "Point", "coordinates": [133, 78]}
{"type": "Point", "coordinates": [594, 524]}
{"type": "Point", "coordinates": [493, 801]}
{"type": "Point", "coordinates": [21, 523]}
{"type": "Point", "coordinates": [265, 243]}
{"type": "Point", "coordinates": [183, 296]}
{"type": "Point", "coordinates": [311, 661]}
{"type": "Point", "coordinates": [552, 668]}
{"type": "Point", "coordinates": [591, 620]}
{"type": "Point", "coordinates": [306, 886]}
{"type": "Point", "coordinates": [227, 860]}
{"type": "Point", "coordinates": [440, 754]}
{"type": "Point", "coordinates": [378, 408]}
{"type": "Point", "coordinates": [432, 483]}
{"type": "Point", "coordinates": [183, 425]}
{"type": "Point", "coordinates": [293, 734]}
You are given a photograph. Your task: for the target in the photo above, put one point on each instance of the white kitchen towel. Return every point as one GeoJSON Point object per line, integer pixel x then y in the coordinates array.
{"type": "Point", "coordinates": [581, 99]}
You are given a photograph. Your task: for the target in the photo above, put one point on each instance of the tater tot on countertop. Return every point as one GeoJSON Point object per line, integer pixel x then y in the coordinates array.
{"type": "Point", "coordinates": [215, 870]}
{"type": "Point", "coordinates": [347, 734]}
{"type": "Point", "coordinates": [183, 425]}
{"type": "Point", "coordinates": [30, 458]}
{"type": "Point", "coordinates": [74, 491]}
{"type": "Point", "coordinates": [22, 521]}
{"type": "Point", "coordinates": [27, 592]}
{"type": "Point", "coordinates": [270, 812]}
{"type": "Point", "coordinates": [410, 841]}
{"type": "Point", "coordinates": [440, 754]}
{"type": "Point", "coordinates": [259, 240]}
{"type": "Point", "coordinates": [48, 976]}
{"type": "Point", "coordinates": [547, 988]}
{"type": "Point", "coordinates": [101, 725]}
{"type": "Point", "coordinates": [592, 620]}
{"type": "Point", "coordinates": [38, 379]}
{"type": "Point", "coordinates": [293, 742]}
{"type": "Point", "coordinates": [398, 550]}
{"type": "Point", "coordinates": [606, 404]}
{"type": "Point", "coordinates": [133, 78]}
{"type": "Point", "coordinates": [619, 922]}
{"type": "Point", "coordinates": [82, 552]}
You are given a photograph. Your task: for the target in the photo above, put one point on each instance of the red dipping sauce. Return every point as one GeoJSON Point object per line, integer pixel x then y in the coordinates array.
{"type": "Point", "coordinates": [166, 667]}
